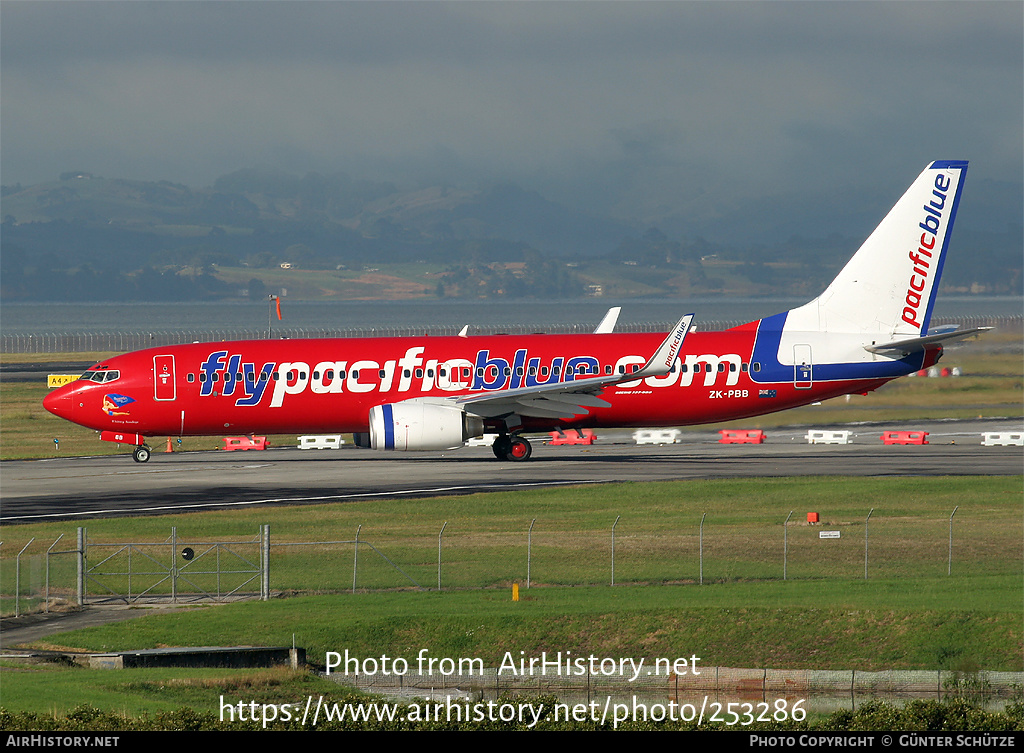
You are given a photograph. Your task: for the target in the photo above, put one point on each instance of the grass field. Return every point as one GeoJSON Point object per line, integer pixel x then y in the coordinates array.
{"type": "Point", "coordinates": [908, 614]}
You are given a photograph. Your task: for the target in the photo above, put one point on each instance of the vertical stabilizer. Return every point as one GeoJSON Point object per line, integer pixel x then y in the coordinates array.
{"type": "Point", "coordinates": [888, 287]}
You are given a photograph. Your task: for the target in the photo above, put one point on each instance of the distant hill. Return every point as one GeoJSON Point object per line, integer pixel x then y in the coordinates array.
{"type": "Point", "coordinates": [85, 237]}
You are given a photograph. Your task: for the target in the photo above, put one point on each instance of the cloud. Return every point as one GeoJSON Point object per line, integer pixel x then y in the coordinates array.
{"type": "Point", "coordinates": [640, 107]}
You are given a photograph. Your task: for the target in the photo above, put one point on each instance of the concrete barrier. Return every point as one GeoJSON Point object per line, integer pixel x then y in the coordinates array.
{"type": "Point", "coordinates": [817, 436]}
{"type": "Point", "coordinates": [321, 442]}
{"type": "Point", "coordinates": [1002, 438]}
{"type": "Point", "coordinates": [657, 436]}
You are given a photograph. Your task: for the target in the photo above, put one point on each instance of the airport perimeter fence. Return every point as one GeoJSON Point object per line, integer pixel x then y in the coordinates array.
{"type": "Point", "coordinates": [688, 550]}
{"type": "Point", "coordinates": [124, 341]}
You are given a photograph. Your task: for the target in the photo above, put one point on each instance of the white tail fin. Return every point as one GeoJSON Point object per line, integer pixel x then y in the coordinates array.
{"type": "Point", "coordinates": [888, 287]}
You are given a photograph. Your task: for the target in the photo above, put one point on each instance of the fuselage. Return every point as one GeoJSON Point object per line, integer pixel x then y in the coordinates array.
{"type": "Point", "coordinates": [330, 385]}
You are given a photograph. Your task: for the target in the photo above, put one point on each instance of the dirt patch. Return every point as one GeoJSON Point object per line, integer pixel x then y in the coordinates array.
{"type": "Point", "coordinates": [392, 287]}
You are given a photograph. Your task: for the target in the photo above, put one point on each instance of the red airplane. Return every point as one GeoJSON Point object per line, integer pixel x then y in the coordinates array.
{"type": "Point", "coordinates": [433, 393]}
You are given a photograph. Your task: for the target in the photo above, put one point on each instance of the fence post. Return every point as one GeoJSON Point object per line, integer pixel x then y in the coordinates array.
{"type": "Point", "coordinates": [355, 559]}
{"type": "Point", "coordinates": [866, 542]}
{"type": "Point", "coordinates": [949, 568]}
{"type": "Point", "coordinates": [529, 551]}
{"type": "Point", "coordinates": [613, 547]}
{"type": "Point", "coordinates": [785, 544]}
{"type": "Point", "coordinates": [80, 586]}
{"type": "Point", "coordinates": [702, 548]}
{"type": "Point", "coordinates": [439, 535]}
{"type": "Point", "coordinates": [174, 565]}
{"type": "Point", "coordinates": [265, 579]}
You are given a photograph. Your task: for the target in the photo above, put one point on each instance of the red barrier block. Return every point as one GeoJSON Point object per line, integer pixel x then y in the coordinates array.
{"type": "Point", "coordinates": [741, 436]}
{"type": "Point", "coordinates": [574, 436]}
{"type": "Point", "coordinates": [904, 437]}
{"type": "Point", "coordinates": [245, 443]}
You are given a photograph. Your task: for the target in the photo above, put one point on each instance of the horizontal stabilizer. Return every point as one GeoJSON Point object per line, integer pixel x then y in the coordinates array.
{"type": "Point", "coordinates": [917, 344]}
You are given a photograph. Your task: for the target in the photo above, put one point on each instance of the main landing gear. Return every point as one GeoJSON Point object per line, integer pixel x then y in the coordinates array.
{"type": "Point", "coordinates": [512, 448]}
{"type": "Point", "coordinates": [141, 454]}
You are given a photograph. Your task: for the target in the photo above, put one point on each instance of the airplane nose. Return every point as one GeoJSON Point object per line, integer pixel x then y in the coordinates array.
{"type": "Point", "coordinates": [59, 403]}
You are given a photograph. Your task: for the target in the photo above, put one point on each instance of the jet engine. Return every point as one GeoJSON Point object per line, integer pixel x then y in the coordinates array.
{"type": "Point", "coordinates": [414, 425]}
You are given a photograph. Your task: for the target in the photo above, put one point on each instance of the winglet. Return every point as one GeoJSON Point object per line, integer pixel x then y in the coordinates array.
{"type": "Point", "coordinates": [666, 354]}
{"type": "Point", "coordinates": [607, 324]}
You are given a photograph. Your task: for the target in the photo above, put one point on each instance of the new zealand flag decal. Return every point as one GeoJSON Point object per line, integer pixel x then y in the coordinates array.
{"type": "Point", "coordinates": [766, 393]}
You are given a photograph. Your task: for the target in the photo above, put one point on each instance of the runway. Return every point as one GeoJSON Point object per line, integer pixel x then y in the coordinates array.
{"type": "Point", "coordinates": [76, 488]}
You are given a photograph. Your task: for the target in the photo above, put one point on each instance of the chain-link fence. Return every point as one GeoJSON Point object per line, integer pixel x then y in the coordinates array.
{"type": "Point", "coordinates": [40, 575]}
{"type": "Point", "coordinates": [124, 341]}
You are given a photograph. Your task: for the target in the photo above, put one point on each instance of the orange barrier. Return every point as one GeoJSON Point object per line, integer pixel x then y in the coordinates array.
{"type": "Point", "coordinates": [904, 437]}
{"type": "Point", "coordinates": [245, 443]}
{"type": "Point", "coordinates": [574, 436]}
{"type": "Point", "coordinates": [741, 436]}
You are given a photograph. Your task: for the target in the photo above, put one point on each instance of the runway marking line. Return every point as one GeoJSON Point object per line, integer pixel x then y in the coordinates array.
{"type": "Point", "coordinates": [398, 492]}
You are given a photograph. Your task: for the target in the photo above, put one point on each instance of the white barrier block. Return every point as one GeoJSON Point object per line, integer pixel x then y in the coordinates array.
{"type": "Point", "coordinates": [321, 442]}
{"type": "Point", "coordinates": [657, 436]}
{"type": "Point", "coordinates": [1004, 438]}
{"type": "Point", "coordinates": [816, 436]}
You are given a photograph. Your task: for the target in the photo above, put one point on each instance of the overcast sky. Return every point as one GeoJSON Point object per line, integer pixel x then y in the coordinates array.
{"type": "Point", "coordinates": [637, 107]}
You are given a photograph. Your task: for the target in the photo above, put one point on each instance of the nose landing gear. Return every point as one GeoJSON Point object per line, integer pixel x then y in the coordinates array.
{"type": "Point", "coordinates": [141, 454]}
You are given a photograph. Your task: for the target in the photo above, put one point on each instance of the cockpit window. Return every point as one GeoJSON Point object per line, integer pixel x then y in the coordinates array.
{"type": "Point", "coordinates": [101, 377]}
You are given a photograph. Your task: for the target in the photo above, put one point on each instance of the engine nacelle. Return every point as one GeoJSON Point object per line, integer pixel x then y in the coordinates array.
{"type": "Point", "coordinates": [414, 425]}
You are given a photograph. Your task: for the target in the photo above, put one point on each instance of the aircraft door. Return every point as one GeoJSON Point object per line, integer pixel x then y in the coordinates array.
{"type": "Point", "coordinates": [164, 387]}
{"type": "Point", "coordinates": [803, 369]}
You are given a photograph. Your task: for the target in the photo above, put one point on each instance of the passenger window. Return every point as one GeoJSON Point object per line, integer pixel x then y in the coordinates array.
{"type": "Point", "coordinates": [191, 378]}
{"type": "Point", "coordinates": [757, 366]}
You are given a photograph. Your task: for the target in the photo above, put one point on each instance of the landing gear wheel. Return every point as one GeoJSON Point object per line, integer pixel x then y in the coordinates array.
{"type": "Point", "coordinates": [501, 447]}
{"type": "Point", "coordinates": [141, 454]}
{"type": "Point", "coordinates": [519, 450]}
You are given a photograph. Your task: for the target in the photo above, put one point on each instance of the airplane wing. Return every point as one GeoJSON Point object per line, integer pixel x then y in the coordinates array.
{"type": "Point", "coordinates": [916, 344]}
{"type": "Point", "coordinates": [565, 399]}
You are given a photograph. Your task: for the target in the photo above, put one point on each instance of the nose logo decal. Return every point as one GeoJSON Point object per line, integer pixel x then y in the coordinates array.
{"type": "Point", "coordinates": [114, 404]}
